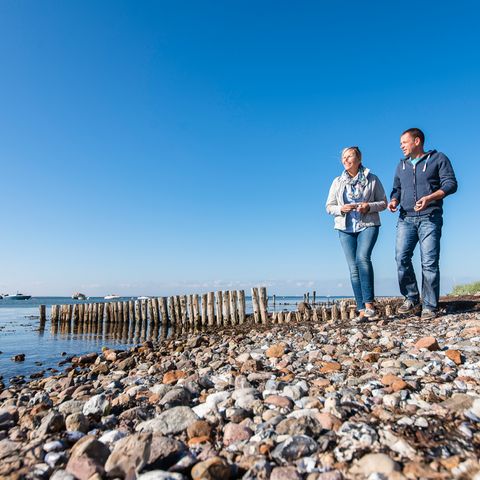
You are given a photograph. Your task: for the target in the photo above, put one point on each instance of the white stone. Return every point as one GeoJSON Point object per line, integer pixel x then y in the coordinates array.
{"type": "Point", "coordinates": [202, 410]}
{"type": "Point", "coordinates": [243, 357]}
{"type": "Point", "coordinates": [173, 420]}
{"type": "Point", "coordinates": [303, 386]}
{"type": "Point", "coordinates": [111, 437]}
{"type": "Point", "coordinates": [240, 392]}
{"type": "Point", "coordinates": [292, 392]}
{"type": "Point", "coordinates": [421, 422]}
{"type": "Point", "coordinates": [476, 407]}
{"type": "Point", "coordinates": [62, 475]}
{"type": "Point", "coordinates": [160, 389]}
{"type": "Point", "coordinates": [391, 401]}
{"type": "Point", "coordinates": [160, 475]}
{"type": "Point", "coordinates": [374, 463]}
{"type": "Point", "coordinates": [97, 405]}
{"type": "Point", "coordinates": [54, 446]}
{"type": "Point", "coordinates": [305, 412]}
{"type": "Point", "coordinates": [397, 444]}
{"type": "Point", "coordinates": [215, 398]}
{"type": "Point", "coordinates": [405, 421]}
{"type": "Point", "coordinates": [52, 459]}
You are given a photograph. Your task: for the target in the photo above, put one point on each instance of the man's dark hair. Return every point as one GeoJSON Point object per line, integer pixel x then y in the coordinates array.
{"type": "Point", "coordinates": [416, 132]}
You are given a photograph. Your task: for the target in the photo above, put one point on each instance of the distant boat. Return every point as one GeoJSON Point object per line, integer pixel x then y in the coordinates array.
{"type": "Point", "coordinates": [111, 297]}
{"type": "Point", "coordinates": [19, 296]}
{"type": "Point", "coordinates": [79, 296]}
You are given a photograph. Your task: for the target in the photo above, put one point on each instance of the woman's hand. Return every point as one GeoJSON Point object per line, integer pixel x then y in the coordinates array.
{"type": "Point", "coordinates": [349, 207]}
{"type": "Point", "coordinates": [363, 207]}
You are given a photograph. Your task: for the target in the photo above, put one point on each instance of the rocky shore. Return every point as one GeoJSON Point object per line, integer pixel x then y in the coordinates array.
{"type": "Point", "coordinates": [393, 398]}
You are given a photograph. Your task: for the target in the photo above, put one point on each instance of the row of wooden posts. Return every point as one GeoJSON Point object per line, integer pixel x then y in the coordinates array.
{"type": "Point", "coordinates": [313, 297]}
{"type": "Point", "coordinates": [335, 310]}
{"type": "Point", "coordinates": [192, 313]}
{"type": "Point", "coordinates": [176, 314]}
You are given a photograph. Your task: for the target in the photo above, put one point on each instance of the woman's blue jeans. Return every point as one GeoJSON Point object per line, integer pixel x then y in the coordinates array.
{"type": "Point", "coordinates": [358, 252]}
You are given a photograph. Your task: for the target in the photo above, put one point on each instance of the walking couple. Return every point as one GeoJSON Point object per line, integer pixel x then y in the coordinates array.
{"type": "Point", "coordinates": [422, 179]}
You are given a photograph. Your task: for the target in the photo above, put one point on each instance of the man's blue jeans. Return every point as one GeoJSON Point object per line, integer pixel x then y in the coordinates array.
{"type": "Point", "coordinates": [358, 252]}
{"type": "Point", "coordinates": [426, 230]}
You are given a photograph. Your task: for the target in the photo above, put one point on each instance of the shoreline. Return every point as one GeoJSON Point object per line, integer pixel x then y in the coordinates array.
{"type": "Point", "coordinates": [307, 400]}
{"type": "Point", "coordinates": [75, 327]}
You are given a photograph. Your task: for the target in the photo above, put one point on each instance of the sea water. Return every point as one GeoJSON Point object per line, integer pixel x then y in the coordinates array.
{"type": "Point", "coordinates": [45, 349]}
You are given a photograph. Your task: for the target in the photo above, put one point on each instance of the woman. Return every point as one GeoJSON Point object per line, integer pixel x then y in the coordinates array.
{"type": "Point", "coordinates": [355, 198]}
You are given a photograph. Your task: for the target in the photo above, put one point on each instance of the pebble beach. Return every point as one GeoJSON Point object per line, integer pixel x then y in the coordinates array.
{"type": "Point", "coordinates": [392, 398]}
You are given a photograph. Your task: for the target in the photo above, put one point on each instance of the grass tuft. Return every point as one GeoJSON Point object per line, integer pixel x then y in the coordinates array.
{"type": "Point", "coordinates": [468, 289]}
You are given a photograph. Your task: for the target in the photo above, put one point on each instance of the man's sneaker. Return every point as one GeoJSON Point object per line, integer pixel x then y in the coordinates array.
{"type": "Point", "coordinates": [370, 313]}
{"type": "Point", "coordinates": [428, 314]}
{"type": "Point", "coordinates": [408, 306]}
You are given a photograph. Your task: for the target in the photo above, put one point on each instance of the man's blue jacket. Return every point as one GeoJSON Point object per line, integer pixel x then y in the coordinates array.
{"type": "Point", "coordinates": [433, 172]}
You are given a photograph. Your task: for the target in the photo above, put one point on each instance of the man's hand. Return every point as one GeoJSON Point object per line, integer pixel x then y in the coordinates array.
{"type": "Point", "coordinates": [392, 206]}
{"type": "Point", "coordinates": [349, 207]}
{"type": "Point", "coordinates": [422, 204]}
{"type": "Point", "coordinates": [363, 207]}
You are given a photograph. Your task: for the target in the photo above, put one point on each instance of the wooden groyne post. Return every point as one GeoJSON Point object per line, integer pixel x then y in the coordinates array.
{"type": "Point", "coordinates": [160, 317]}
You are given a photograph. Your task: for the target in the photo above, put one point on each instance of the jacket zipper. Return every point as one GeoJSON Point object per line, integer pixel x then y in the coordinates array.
{"type": "Point", "coordinates": [414, 187]}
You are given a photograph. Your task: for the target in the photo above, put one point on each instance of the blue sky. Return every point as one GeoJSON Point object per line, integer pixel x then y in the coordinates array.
{"type": "Point", "coordinates": [168, 147]}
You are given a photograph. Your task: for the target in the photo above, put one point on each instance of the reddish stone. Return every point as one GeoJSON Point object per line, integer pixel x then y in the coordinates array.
{"type": "Point", "coordinates": [88, 457]}
{"type": "Point", "coordinates": [279, 401]}
{"type": "Point", "coordinates": [390, 379]}
{"type": "Point", "coordinates": [454, 355]}
{"type": "Point", "coordinates": [450, 462]}
{"type": "Point", "coordinates": [173, 376]}
{"type": "Point", "coordinates": [328, 421]}
{"type": "Point", "coordinates": [211, 469]}
{"type": "Point", "coordinates": [287, 378]}
{"type": "Point", "coordinates": [265, 449]}
{"type": "Point", "coordinates": [85, 359]}
{"type": "Point", "coordinates": [285, 473]}
{"type": "Point", "coordinates": [110, 355]}
{"type": "Point", "coordinates": [471, 332]}
{"type": "Point", "coordinates": [198, 440]}
{"type": "Point", "coordinates": [329, 367]}
{"type": "Point", "coordinates": [321, 382]}
{"type": "Point", "coordinates": [39, 409]}
{"type": "Point", "coordinates": [251, 365]}
{"type": "Point", "coordinates": [371, 357]}
{"type": "Point", "coordinates": [199, 428]}
{"type": "Point", "coordinates": [276, 351]}
{"type": "Point", "coordinates": [122, 400]}
{"type": "Point", "coordinates": [398, 385]}
{"type": "Point", "coordinates": [234, 432]}
{"type": "Point", "coordinates": [154, 398]}
{"type": "Point", "coordinates": [430, 343]}
{"type": "Point", "coordinates": [128, 454]}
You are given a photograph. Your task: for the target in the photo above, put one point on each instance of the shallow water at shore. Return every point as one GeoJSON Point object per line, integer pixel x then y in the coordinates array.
{"type": "Point", "coordinates": [44, 349]}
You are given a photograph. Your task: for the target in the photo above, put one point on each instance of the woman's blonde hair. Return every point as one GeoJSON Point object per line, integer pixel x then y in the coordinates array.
{"type": "Point", "coordinates": [356, 150]}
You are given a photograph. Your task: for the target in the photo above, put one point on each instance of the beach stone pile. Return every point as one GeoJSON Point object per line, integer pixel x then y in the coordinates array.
{"type": "Point", "coordinates": [389, 399]}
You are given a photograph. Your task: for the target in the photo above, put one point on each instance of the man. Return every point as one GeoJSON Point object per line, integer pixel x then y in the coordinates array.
{"type": "Point", "coordinates": [421, 181]}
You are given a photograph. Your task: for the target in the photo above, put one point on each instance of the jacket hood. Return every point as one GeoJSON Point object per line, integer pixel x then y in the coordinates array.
{"type": "Point", "coordinates": [426, 154]}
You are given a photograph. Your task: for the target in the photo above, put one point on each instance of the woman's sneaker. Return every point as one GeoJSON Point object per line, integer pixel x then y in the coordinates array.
{"type": "Point", "coordinates": [370, 313]}
{"type": "Point", "coordinates": [408, 306]}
